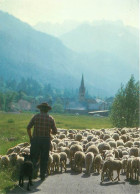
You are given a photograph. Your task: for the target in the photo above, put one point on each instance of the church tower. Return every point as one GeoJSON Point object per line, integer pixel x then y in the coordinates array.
{"type": "Point", "coordinates": [82, 90]}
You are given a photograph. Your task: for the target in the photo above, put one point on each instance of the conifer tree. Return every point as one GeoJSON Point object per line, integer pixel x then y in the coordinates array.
{"type": "Point", "coordinates": [125, 108]}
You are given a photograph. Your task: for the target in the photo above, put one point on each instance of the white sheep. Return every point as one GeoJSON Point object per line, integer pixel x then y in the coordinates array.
{"type": "Point", "coordinates": [4, 162]}
{"type": "Point", "coordinates": [135, 167]}
{"type": "Point", "coordinates": [63, 160]}
{"type": "Point", "coordinates": [128, 169]}
{"type": "Point", "coordinates": [93, 149]}
{"type": "Point", "coordinates": [73, 149]}
{"type": "Point", "coordinates": [13, 159]}
{"type": "Point", "coordinates": [66, 150]}
{"type": "Point", "coordinates": [115, 136]}
{"type": "Point", "coordinates": [50, 164]}
{"type": "Point", "coordinates": [97, 163]}
{"type": "Point", "coordinates": [79, 159]}
{"type": "Point", "coordinates": [112, 144]}
{"type": "Point", "coordinates": [89, 161]}
{"type": "Point", "coordinates": [128, 144]}
{"type": "Point", "coordinates": [109, 166]}
{"type": "Point", "coordinates": [134, 151]}
{"type": "Point", "coordinates": [56, 162]}
{"type": "Point", "coordinates": [78, 137]}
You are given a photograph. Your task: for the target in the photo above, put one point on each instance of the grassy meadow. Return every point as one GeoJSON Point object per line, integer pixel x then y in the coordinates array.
{"type": "Point", "coordinates": [13, 131]}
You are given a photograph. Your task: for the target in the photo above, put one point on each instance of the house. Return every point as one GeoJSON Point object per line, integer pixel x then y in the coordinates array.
{"type": "Point", "coordinates": [83, 105]}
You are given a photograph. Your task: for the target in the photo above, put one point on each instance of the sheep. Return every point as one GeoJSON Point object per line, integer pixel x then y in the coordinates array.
{"type": "Point", "coordinates": [124, 163]}
{"type": "Point", "coordinates": [79, 159]}
{"type": "Point", "coordinates": [74, 143]}
{"type": "Point", "coordinates": [112, 144]}
{"type": "Point", "coordinates": [124, 138]}
{"type": "Point", "coordinates": [120, 143]}
{"type": "Point", "coordinates": [4, 162]}
{"type": "Point", "coordinates": [97, 163]}
{"type": "Point", "coordinates": [25, 150]}
{"type": "Point", "coordinates": [93, 149]}
{"type": "Point", "coordinates": [25, 144]}
{"type": "Point", "coordinates": [106, 136]}
{"type": "Point", "coordinates": [15, 149]}
{"type": "Point", "coordinates": [89, 144]}
{"type": "Point", "coordinates": [89, 161]}
{"type": "Point", "coordinates": [49, 164]}
{"type": "Point", "coordinates": [116, 152]}
{"type": "Point", "coordinates": [123, 131]}
{"type": "Point", "coordinates": [56, 141]}
{"type": "Point", "coordinates": [109, 166]}
{"type": "Point", "coordinates": [98, 133]}
{"type": "Point", "coordinates": [73, 149]}
{"type": "Point", "coordinates": [109, 139]}
{"type": "Point", "coordinates": [85, 134]}
{"type": "Point", "coordinates": [115, 136]}
{"type": "Point", "coordinates": [137, 143]}
{"type": "Point", "coordinates": [62, 136]}
{"type": "Point", "coordinates": [125, 152]}
{"type": "Point", "coordinates": [94, 139]}
{"type": "Point", "coordinates": [63, 160]}
{"type": "Point", "coordinates": [103, 146]}
{"type": "Point", "coordinates": [56, 161]}
{"type": "Point", "coordinates": [109, 154]}
{"type": "Point", "coordinates": [13, 159]}
{"type": "Point", "coordinates": [128, 144]}
{"type": "Point", "coordinates": [26, 170]}
{"type": "Point", "coordinates": [71, 135]}
{"type": "Point", "coordinates": [89, 137]}
{"type": "Point", "coordinates": [134, 151]}
{"type": "Point", "coordinates": [128, 169]}
{"type": "Point", "coordinates": [61, 144]}
{"type": "Point", "coordinates": [78, 137]}
{"type": "Point", "coordinates": [66, 150]}
{"type": "Point", "coordinates": [135, 167]}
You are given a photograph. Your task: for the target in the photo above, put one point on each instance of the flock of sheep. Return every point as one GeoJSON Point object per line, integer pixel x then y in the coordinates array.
{"type": "Point", "coordinates": [102, 151]}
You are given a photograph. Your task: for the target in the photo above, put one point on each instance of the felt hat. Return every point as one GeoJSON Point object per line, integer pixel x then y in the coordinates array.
{"type": "Point", "coordinates": [44, 105]}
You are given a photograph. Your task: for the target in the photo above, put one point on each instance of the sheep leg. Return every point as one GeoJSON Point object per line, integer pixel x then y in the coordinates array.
{"type": "Point", "coordinates": [110, 175]}
{"type": "Point", "coordinates": [52, 167]}
{"type": "Point", "coordinates": [28, 186]}
{"type": "Point", "coordinates": [61, 166]}
{"type": "Point", "coordinates": [102, 176]}
{"type": "Point", "coordinates": [135, 173]}
{"type": "Point", "coordinates": [117, 177]}
{"type": "Point", "coordinates": [131, 174]}
{"type": "Point", "coordinates": [98, 169]}
{"type": "Point", "coordinates": [30, 180]}
{"type": "Point", "coordinates": [81, 169]}
{"type": "Point", "coordinates": [21, 183]}
{"type": "Point", "coordinates": [57, 167]}
{"type": "Point", "coordinates": [65, 166]}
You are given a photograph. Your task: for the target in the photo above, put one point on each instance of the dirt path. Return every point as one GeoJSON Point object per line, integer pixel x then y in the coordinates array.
{"type": "Point", "coordinates": [75, 183]}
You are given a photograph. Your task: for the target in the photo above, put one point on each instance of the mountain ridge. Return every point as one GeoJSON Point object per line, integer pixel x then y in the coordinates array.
{"type": "Point", "coordinates": [26, 52]}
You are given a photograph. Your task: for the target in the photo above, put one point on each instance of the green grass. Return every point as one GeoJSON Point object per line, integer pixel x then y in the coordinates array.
{"type": "Point", "coordinates": [13, 131]}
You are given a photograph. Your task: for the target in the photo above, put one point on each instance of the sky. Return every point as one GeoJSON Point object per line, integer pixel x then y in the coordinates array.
{"type": "Point", "coordinates": [58, 11]}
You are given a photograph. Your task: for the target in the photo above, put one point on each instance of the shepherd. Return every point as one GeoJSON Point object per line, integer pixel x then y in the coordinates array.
{"type": "Point", "coordinates": [44, 126]}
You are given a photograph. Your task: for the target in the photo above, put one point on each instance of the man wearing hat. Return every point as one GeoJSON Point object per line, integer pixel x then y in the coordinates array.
{"type": "Point", "coordinates": [44, 125]}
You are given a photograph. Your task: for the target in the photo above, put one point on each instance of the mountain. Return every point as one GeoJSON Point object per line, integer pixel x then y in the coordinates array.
{"type": "Point", "coordinates": [56, 29]}
{"type": "Point", "coordinates": [105, 36]}
{"type": "Point", "coordinates": [26, 52]}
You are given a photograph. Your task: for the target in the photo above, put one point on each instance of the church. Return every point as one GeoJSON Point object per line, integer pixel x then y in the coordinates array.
{"type": "Point", "coordinates": [83, 105]}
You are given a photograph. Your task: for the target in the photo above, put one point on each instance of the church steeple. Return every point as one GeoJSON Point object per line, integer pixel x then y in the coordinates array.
{"type": "Point", "coordinates": [82, 90]}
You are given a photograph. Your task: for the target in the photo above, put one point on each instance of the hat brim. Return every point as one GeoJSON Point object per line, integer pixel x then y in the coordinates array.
{"type": "Point", "coordinates": [44, 106]}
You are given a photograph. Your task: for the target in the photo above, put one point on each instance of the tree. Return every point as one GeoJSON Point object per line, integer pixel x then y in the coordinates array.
{"type": "Point", "coordinates": [58, 108]}
{"type": "Point", "coordinates": [125, 108]}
